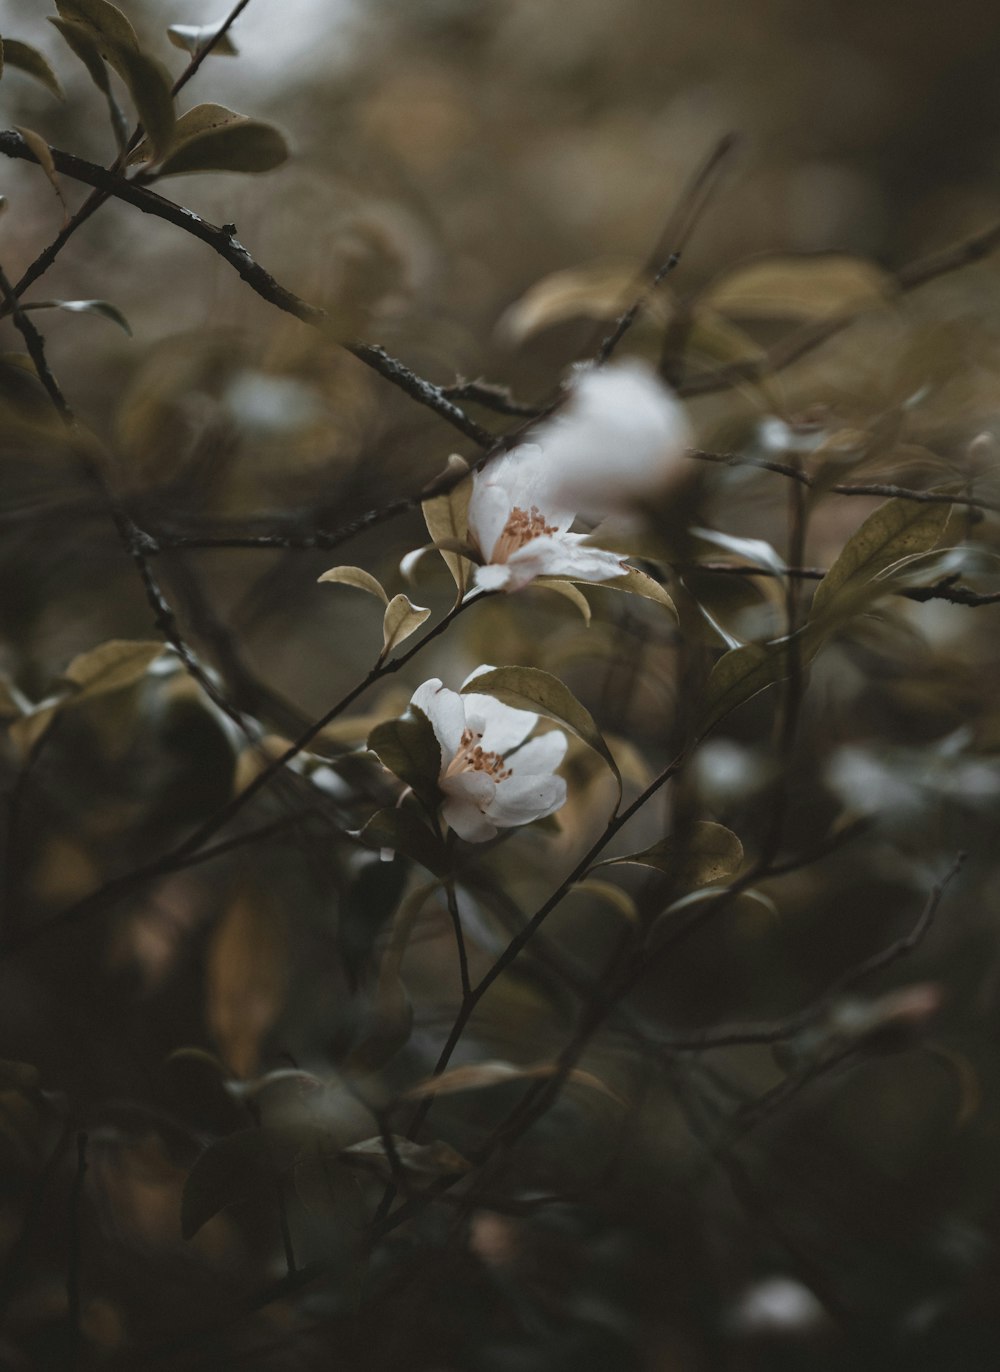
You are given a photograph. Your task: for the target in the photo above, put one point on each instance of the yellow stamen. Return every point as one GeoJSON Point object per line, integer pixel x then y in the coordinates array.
{"type": "Point", "coordinates": [472, 757]}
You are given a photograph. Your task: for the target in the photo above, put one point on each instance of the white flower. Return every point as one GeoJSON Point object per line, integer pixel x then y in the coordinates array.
{"type": "Point", "coordinates": [523, 533]}
{"type": "Point", "coordinates": [620, 438]}
{"type": "Point", "coordinates": [490, 777]}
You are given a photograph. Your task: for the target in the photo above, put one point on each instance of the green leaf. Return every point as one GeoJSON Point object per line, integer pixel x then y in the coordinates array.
{"type": "Point", "coordinates": [194, 38]}
{"type": "Point", "coordinates": [401, 619]}
{"type": "Point", "coordinates": [635, 582]}
{"type": "Point", "coordinates": [529, 688]}
{"type": "Point", "coordinates": [891, 536]}
{"type": "Point", "coordinates": [365, 907]}
{"type": "Point", "coordinates": [802, 288]}
{"type": "Point", "coordinates": [447, 519]}
{"type": "Point", "coordinates": [746, 671]}
{"type": "Point", "coordinates": [706, 854]}
{"type": "Point", "coordinates": [408, 746]}
{"type": "Point", "coordinates": [239, 1167]}
{"type": "Point", "coordinates": [107, 23]}
{"type": "Point", "coordinates": [401, 830]}
{"type": "Point", "coordinates": [149, 85]}
{"type": "Point", "coordinates": [620, 901]}
{"type": "Point", "coordinates": [29, 60]}
{"type": "Point", "coordinates": [81, 41]}
{"type": "Point", "coordinates": [213, 138]}
{"type": "Point", "coordinates": [357, 577]}
{"type": "Point", "coordinates": [42, 153]}
{"type": "Point", "coordinates": [114, 664]}
{"type": "Point", "coordinates": [102, 307]}
{"type": "Point", "coordinates": [569, 592]}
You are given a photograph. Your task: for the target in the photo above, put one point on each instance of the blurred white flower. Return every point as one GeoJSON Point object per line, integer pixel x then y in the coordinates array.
{"type": "Point", "coordinates": [620, 438]}
{"type": "Point", "coordinates": [490, 777]}
{"type": "Point", "coordinates": [523, 533]}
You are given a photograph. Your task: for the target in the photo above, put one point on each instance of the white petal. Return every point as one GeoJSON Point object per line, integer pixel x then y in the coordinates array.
{"type": "Point", "coordinates": [489, 510]}
{"type": "Point", "coordinates": [494, 576]}
{"type": "Point", "coordinates": [519, 801]}
{"type": "Point", "coordinates": [521, 479]}
{"type": "Point", "coordinates": [470, 788]}
{"type": "Point", "coordinates": [502, 727]}
{"type": "Point", "coordinates": [467, 822]}
{"type": "Point", "coordinates": [539, 756]}
{"type": "Point", "coordinates": [446, 711]}
{"type": "Point", "coordinates": [561, 555]}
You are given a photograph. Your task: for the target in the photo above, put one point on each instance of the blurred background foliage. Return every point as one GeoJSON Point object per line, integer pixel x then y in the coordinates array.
{"type": "Point", "coordinates": [453, 161]}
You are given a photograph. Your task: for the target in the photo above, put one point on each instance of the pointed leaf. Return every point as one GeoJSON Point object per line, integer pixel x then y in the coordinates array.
{"type": "Point", "coordinates": [102, 307]}
{"type": "Point", "coordinates": [30, 60]}
{"type": "Point", "coordinates": [149, 85]}
{"type": "Point", "coordinates": [358, 577]}
{"type": "Point", "coordinates": [620, 901]}
{"type": "Point", "coordinates": [42, 153]}
{"type": "Point", "coordinates": [744, 672]}
{"type": "Point", "coordinates": [239, 1167]}
{"type": "Point", "coordinates": [401, 619]}
{"type": "Point", "coordinates": [597, 290]}
{"type": "Point", "coordinates": [707, 854]}
{"type": "Point", "coordinates": [193, 38]}
{"type": "Point", "coordinates": [569, 592]}
{"type": "Point", "coordinates": [105, 21]}
{"type": "Point", "coordinates": [82, 42]}
{"type": "Point", "coordinates": [402, 831]}
{"type": "Point", "coordinates": [409, 748]}
{"type": "Point", "coordinates": [447, 517]}
{"type": "Point", "coordinates": [893, 534]}
{"type": "Point", "coordinates": [117, 663]}
{"type": "Point", "coordinates": [246, 979]}
{"type": "Point", "coordinates": [639, 583]}
{"type": "Point", "coordinates": [529, 688]}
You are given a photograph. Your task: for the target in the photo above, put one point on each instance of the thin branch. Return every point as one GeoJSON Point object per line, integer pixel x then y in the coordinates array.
{"type": "Point", "coordinates": [74, 1245]}
{"type": "Point", "coordinates": [231, 250]}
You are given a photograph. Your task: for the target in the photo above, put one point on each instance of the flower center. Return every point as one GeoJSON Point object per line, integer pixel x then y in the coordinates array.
{"type": "Point", "coordinates": [521, 528]}
{"type": "Point", "coordinates": [472, 757]}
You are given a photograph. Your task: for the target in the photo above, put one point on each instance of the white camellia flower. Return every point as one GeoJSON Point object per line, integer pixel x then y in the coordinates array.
{"type": "Point", "coordinates": [620, 438]}
{"type": "Point", "coordinates": [490, 777]}
{"type": "Point", "coordinates": [521, 531]}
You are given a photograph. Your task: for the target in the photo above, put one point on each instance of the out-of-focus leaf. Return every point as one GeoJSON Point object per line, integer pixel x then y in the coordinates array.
{"type": "Point", "coordinates": [437, 1159]}
{"type": "Point", "coordinates": [117, 663]}
{"type": "Point", "coordinates": [81, 41]}
{"type": "Point", "coordinates": [12, 703]}
{"type": "Point", "coordinates": [231, 143]}
{"type": "Point", "coordinates": [41, 151]}
{"type": "Point", "coordinates": [745, 906]}
{"type": "Point", "coordinates": [891, 536]}
{"type": "Point", "coordinates": [20, 1127]}
{"type": "Point", "coordinates": [481, 1075]}
{"type": "Point", "coordinates": [447, 517]}
{"type": "Point", "coordinates": [529, 688]}
{"type": "Point", "coordinates": [620, 901]}
{"type": "Point", "coordinates": [239, 1167]}
{"type": "Point", "coordinates": [357, 577]}
{"type": "Point", "coordinates": [18, 1076]}
{"type": "Point", "coordinates": [401, 619]}
{"type": "Point", "coordinates": [102, 307]}
{"type": "Point", "coordinates": [365, 908]}
{"type": "Point", "coordinates": [32, 62]}
{"type": "Point", "coordinates": [802, 288]}
{"type": "Point", "coordinates": [569, 592]}
{"type": "Point", "coordinates": [599, 290]}
{"type": "Point", "coordinates": [401, 831]}
{"type": "Point", "coordinates": [754, 550]}
{"type": "Point", "coordinates": [246, 979]}
{"type": "Point", "coordinates": [409, 748]}
{"type": "Point", "coordinates": [708, 853]}
{"type": "Point", "coordinates": [194, 37]}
